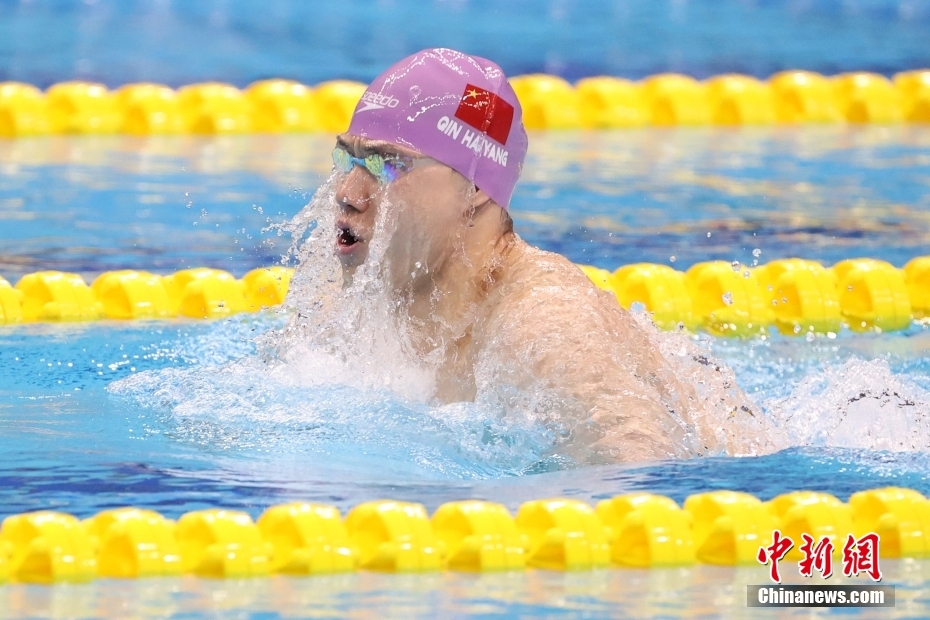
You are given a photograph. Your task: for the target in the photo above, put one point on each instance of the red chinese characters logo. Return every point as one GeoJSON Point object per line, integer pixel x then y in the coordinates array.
{"type": "Point", "coordinates": [861, 556]}
{"type": "Point", "coordinates": [817, 557]}
{"type": "Point", "coordinates": [774, 553]}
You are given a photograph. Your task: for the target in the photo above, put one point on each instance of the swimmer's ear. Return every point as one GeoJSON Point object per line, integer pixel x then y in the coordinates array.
{"type": "Point", "coordinates": [479, 200]}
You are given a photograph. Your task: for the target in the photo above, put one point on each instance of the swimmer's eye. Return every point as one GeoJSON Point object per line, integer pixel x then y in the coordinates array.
{"type": "Point", "coordinates": [342, 160]}
{"type": "Point", "coordinates": [385, 169]}
{"type": "Point", "coordinates": [392, 167]}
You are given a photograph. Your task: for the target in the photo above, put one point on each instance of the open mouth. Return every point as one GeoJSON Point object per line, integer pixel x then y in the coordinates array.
{"type": "Point", "coordinates": [347, 239]}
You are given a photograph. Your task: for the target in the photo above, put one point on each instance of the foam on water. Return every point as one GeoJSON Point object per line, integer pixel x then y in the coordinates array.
{"type": "Point", "coordinates": [858, 404]}
{"type": "Point", "coordinates": [243, 408]}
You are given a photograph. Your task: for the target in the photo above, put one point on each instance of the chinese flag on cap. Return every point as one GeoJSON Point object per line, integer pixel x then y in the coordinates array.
{"type": "Point", "coordinates": [486, 112]}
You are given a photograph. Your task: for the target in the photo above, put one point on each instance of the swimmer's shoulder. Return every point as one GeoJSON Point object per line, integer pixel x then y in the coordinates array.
{"type": "Point", "coordinates": [550, 316]}
{"type": "Point", "coordinates": [528, 264]}
{"type": "Point", "coordinates": [549, 285]}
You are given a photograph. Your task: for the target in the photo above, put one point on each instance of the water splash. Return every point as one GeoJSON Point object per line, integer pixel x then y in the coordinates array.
{"type": "Point", "coordinates": [342, 380]}
{"type": "Point", "coordinates": [728, 417]}
{"type": "Point", "coordinates": [857, 404]}
{"type": "Point", "coordinates": [344, 371]}
{"type": "Point", "coordinates": [340, 332]}
{"type": "Point", "coordinates": [248, 409]}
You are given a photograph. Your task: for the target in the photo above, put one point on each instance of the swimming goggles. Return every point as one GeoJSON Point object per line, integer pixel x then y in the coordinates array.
{"type": "Point", "coordinates": [385, 169]}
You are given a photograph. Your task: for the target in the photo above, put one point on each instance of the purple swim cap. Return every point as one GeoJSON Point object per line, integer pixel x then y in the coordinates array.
{"type": "Point", "coordinates": [455, 108]}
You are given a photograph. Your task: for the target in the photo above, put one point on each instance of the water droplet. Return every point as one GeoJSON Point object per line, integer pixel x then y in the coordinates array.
{"type": "Point", "coordinates": [809, 337]}
{"type": "Point", "coordinates": [736, 266]}
{"type": "Point", "coordinates": [728, 298]}
{"type": "Point", "coordinates": [418, 264]}
{"type": "Point", "coordinates": [797, 329]}
{"type": "Point", "coordinates": [415, 92]}
{"type": "Point", "coordinates": [746, 274]}
{"type": "Point", "coordinates": [672, 259]}
{"type": "Point", "coordinates": [708, 234]}
{"type": "Point", "coordinates": [756, 252]}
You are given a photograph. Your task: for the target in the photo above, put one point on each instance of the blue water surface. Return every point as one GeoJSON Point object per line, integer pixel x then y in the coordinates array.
{"type": "Point", "coordinates": [69, 444]}
{"type": "Point", "coordinates": [179, 42]}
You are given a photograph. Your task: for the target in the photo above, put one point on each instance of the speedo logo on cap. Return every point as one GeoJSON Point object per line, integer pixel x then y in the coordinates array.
{"type": "Point", "coordinates": [377, 101]}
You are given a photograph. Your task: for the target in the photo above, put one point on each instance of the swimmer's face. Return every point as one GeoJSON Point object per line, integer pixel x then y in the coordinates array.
{"type": "Point", "coordinates": [427, 200]}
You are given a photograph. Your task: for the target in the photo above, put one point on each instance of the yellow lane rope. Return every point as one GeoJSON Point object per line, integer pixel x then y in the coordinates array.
{"type": "Point", "coordinates": [796, 296]}
{"type": "Point", "coordinates": [639, 530]}
{"type": "Point", "coordinates": [549, 102]}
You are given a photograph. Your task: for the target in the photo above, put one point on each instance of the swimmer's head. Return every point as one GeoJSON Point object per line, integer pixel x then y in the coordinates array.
{"type": "Point", "coordinates": [438, 135]}
{"type": "Point", "coordinates": [458, 109]}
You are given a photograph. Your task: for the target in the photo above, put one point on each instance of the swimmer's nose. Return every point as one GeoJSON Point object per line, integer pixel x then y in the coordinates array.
{"type": "Point", "coordinates": [356, 190]}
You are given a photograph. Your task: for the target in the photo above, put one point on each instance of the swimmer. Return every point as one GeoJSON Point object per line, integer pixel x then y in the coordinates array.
{"type": "Point", "coordinates": [439, 140]}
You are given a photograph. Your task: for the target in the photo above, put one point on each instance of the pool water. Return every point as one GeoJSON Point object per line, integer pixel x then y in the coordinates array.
{"type": "Point", "coordinates": [179, 415]}
{"type": "Point", "coordinates": [121, 41]}
{"type": "Point", "coordinates": [699, 592]}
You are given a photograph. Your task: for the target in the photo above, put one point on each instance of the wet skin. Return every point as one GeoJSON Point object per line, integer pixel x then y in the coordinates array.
{"type": "Point", "coordinates": [475, 291]}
